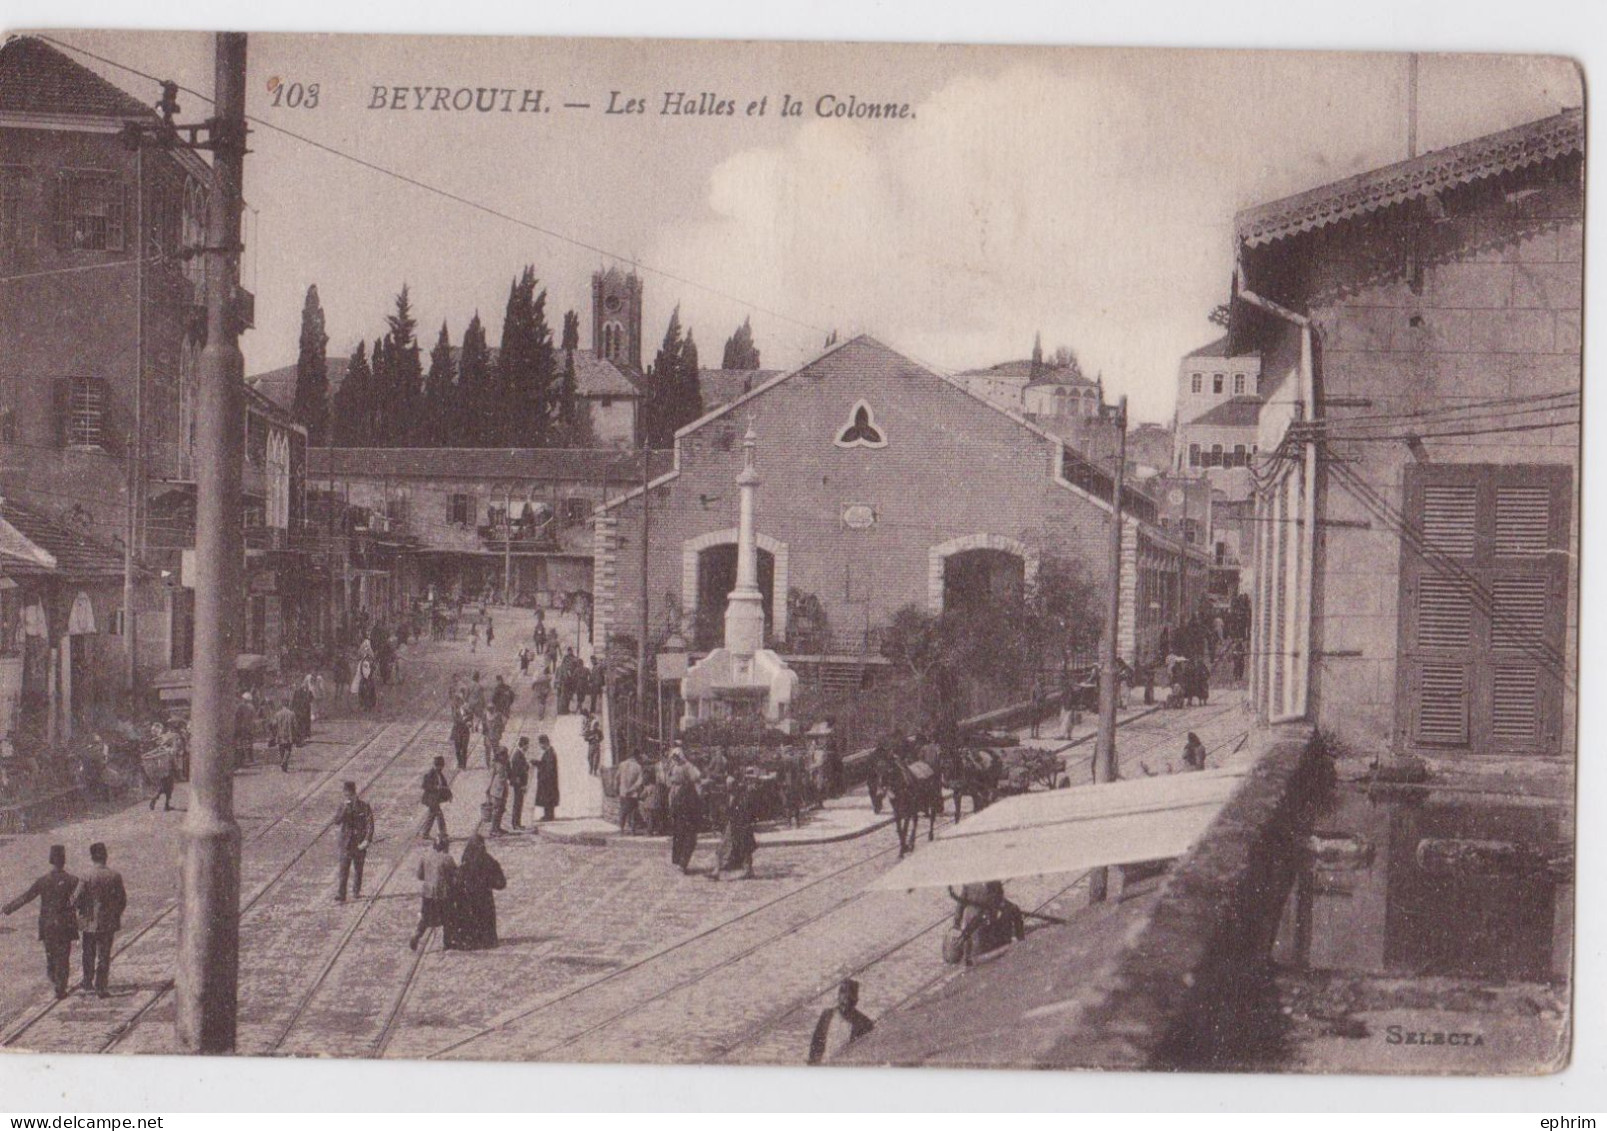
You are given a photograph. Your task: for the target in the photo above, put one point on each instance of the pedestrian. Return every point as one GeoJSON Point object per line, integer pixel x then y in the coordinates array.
{"type": "Point", "coordinates": [343, 676]}
{"type": "Point", "coordinates": [58, 925]}
{"type": "Point", "coordinates": [497, 791]}
{"type": "Point", "coordinates": [367, 691]}
{"type": "Point", "coordinates": [476, 699]}
{"type": "Point", "coordinates": [546, 798]}
{"type": "Point", "coordinates": [598, 683]}
{"type": "Point", "coordinates": [474, 638]}
{"type": "Point", "coordinates": [502, 698]}
{"type": "Point", "coordinates": [472, 920]}
{"type": "Point", "coordinates": [569, 680]}
{"type": "Point", "coordinates": [436, 873]}
{"type": "Point", "coordinates": [166, 770]}
{"type": "Point", "coordinates": [100, 902]}
{"type": "Point", "coordinates": [1068, 703]}
{"type": "Point", "coordinates": [982, 910]}
{"type": "Point", "coordinates": [525, 656]}
{"type": "Point", "coordinates": [1194, 752]}
{"type": "Point", "coordinates": [354, 831]}
{"type": "Point", "coordinates": [686, 809]}
{"type": "Point", "coordinates": [629, 780]}
{"type": "Point", "coordinates": [519, 779]}
{"type": "Point", "coordinates": [283, 728]}
{"type": "Point", "coordinates": [541, 689]}
{"type": "Point", "coordinates": [490, 631]}
{"type": "Point", "coordinates": [491, 735]}
{"type": "Point", "coordinates": [654, 798]}
{"type": "Point", "coordinates": [301, 707]}
{"type": "Point", "coordinates": [245, 732]}
{"type": "Point", "coordinates": [839, 1027]}
{"type": "Point", "coordinates": [738, 842]}
{"type": "Point", "coordinates": [461, 727]}
{"type": "Point", "coordinates": [436, 792]}
{"type": "Point", "coordinates": [592, 731]}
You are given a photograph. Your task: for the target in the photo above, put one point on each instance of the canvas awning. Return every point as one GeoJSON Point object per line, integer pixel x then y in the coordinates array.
{"type": "Point", "coordinates": [1069, 830]}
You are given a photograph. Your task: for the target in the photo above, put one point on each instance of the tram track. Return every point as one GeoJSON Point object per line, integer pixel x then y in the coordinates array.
{"type": "Point", "coordinates": [272, 882]}
{"type": "Point", "coordinates": [257, 835]}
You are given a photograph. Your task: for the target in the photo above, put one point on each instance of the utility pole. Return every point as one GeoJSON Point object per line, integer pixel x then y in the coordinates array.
{"type": "Point", "coordinates": [136, 451]}
{"type": "Point", "coordinates": [209, 893]}
{"type": "Point", "coordinates": [641, 638]}
{"type": "Point", "coordinates": [507, 543]}
{"type": "Point", "coordinates": [1105, 743]}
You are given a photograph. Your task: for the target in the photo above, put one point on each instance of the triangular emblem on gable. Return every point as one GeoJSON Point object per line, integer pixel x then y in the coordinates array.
{"type": "Point", "coordinates": [861, 431]}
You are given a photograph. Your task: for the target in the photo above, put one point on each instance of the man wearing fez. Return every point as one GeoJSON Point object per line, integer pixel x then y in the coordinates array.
{"type": "Point", "coordinates": [354, 826]}
{"type": "Point", "coordinates": [58, 926]}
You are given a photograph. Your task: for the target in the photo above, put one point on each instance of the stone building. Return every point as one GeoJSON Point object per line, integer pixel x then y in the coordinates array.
{"type": "Point", "coordinates": [1417, 518]}
{"type": "Point", "coordinates": [885, 484]}
{"type": "Point", "coordinates": [462, 520]}
{"type": "Point", "coordinates": [1214, 424]}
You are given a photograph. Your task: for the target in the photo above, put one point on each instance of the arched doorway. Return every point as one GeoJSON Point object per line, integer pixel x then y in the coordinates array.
{"type": "Point", "coordinates": [716, 577]}
{"type": "Point", "coordinates": [975, 578]}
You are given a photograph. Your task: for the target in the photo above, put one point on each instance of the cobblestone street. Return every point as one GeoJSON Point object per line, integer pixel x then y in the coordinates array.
{"type": "Point", "coordinates": [607, 953]}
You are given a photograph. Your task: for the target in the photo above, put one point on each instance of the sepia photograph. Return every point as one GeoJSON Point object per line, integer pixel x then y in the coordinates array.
{"type": "Point", "coordinates": [675, 551]}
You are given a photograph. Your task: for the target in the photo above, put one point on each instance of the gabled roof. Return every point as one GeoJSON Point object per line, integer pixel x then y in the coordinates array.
{"type": "Point", "coordinates": [1488, 156]}
{"type": "Point", "coordinates": [76, 555]}
{"type": "Point", "coordinates": [36, 78]}
{"type": "Point", "coordinates": [584, 465]}
{"type": "Point", "coordinates": [1240, 412]}
{"type": "Point", "coordinates": [1020, 372]}
{"type": "Point", "coordinates": [599, 377]}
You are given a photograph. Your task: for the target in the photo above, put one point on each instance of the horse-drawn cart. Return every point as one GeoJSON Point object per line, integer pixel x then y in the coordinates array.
{"type": "Point", "coordinates": [1027, 768]}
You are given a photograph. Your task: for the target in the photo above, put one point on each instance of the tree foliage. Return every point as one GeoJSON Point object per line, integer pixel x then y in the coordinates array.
{"type": "Point", "coordinates": [673, 397]}
{"type": "Point", "coordinates": [354, 403]}
{"type": "Point", "coordinates": [311, 403]}
{"type": "Point", "coordinates": [740, 352]}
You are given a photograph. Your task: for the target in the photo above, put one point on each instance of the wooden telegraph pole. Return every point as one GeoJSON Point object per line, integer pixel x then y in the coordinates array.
{"type": "Point", "coordinates": [209, 894]}
{"type": "Point", "coordinates": [1105, 743]}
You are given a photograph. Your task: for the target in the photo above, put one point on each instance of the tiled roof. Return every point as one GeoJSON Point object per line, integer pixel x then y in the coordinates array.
{"type": "Point", "coordinates": [1020, 372]}
{"type": "Point", "coordinates": [1218, 348]}
{"type": "Point", "coordinates": [598, 377]}
{"type": "Point", "coordinates": [1240, 412]}
{"type": "Point", "coordinates": [36, 78]}
{"type": "Point", "coordinates": [584, 465]}
{"type": "Point", "coordinates": [77, 555]}
{"type": "Point", "coordinates": [722, 386]}
{"type": "Point", "coordinates": [1528, 144]}
{"type": "Point", "coordinates": [594, 377]}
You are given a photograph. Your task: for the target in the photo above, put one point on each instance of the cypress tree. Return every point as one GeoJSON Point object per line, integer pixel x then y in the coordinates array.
{"type": "Point", "coordinates": [437, 417]}
{"type": "Point", "coordinates": [350, 418]}
{"type": "Point", "coordinates": [527, 371]}
{"type": "Point", "coordinates": [401, 406]}
{"type": "Point", "coordinates": [571, 339]}
{"type": "Point", "coordinates": [662, 380]}
{"type": "Point", "coordinates": [687, 405]}
{"type": "Point", "coordinates": [740, 352]}
{"type": "Point", "coordinates": [311, 404]}
{"type": "Point", "coordinates": [476, 400]}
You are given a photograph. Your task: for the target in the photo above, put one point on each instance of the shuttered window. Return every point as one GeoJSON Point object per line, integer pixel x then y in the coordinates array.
{"type": "Point", "coordinates": [91, 208]}
{"type": "Point", "coordinates": [1484, 595]}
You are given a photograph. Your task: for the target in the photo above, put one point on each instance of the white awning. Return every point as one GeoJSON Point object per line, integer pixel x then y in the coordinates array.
{"type": "Point", "coordinates": [1068, 830]}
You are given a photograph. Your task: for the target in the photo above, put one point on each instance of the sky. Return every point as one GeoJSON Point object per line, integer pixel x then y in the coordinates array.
{"type": "Point", "coordinates": [1084, 194]}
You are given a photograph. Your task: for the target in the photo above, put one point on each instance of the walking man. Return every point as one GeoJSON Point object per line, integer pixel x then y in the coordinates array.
{"type": "Point", "coordinates": [630, 780]}
{"type": "Point", "coordinates": [596, 682]}
{"type": "Point", "coordinates": [497, 791]}
{"type": "Point", "coordinates": [541, 688]}
{"type": "Point", "coordinates": [283, 728]}
{"type": "Point", "coordinates": [546, 778]}
{"type": "Point", "coordinates": [167, 769]}
{"type": "Point", "coordinates": [436, 793]}
{"type": "Point", "coordinates": [592, 731]}
{"type": "Point", "coordinates": [435, 872]}
{"type": "Point", "coordinates": [101, 902]}
{"type": "Point", "coordinates": [460, 731]}
{"type": "Point", "coordinates": [58, 926]}
{"type": "Point", "coordinates": [519, 779]}
{"type": "Point", "coordinates": [354, 826]}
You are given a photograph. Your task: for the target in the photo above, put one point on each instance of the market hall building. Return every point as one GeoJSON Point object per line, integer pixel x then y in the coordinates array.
{"type": "Point", "coordinates": [884, 484]}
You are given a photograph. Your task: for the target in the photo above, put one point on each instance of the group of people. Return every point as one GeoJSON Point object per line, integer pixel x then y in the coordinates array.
{"type": "Point", "coordinates": [459, 896]}
{"type": "Point", "coordinates": [512, 776]}
{"type": "Point", "coordinates": [73, 908]}
{"type": "Point", "coordinates": [577, 686]}
{"type": "Point", "coordinates": [674, 795]}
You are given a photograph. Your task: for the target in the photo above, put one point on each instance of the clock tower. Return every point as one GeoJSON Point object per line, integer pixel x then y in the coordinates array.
{"type": "Point", "coordinates": [616, 318]}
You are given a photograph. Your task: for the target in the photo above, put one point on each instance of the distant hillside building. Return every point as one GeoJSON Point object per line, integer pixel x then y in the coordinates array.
{"type": "Point", "coordinates": [1219, 397]}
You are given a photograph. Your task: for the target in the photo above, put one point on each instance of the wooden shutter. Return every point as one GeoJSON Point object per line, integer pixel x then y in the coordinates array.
{"type": "Point", "coordinates": [1483, 621]}
{"type": "Point", "coordinates": [1442, 705]}
{"type": "Point", "coordinates": [118, 214]}
{"type": "Point", "coordinates": [1450, 519]}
